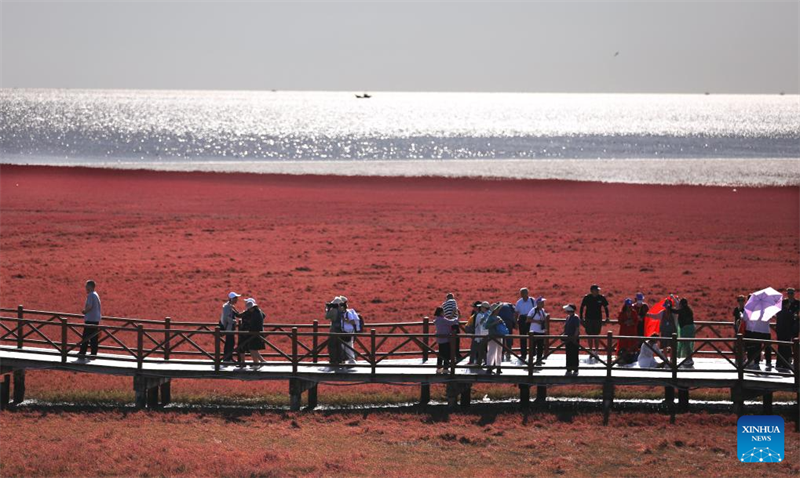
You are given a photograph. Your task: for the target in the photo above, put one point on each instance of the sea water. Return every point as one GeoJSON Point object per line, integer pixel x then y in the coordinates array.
{"type": "Point", "coordinates": [639, 138]}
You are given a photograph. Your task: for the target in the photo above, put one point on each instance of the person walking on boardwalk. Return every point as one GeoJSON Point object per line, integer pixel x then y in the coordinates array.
{"type": "Point", "coordinates": [786, 329]}
{"type": "Point", "coordinates": [92, 313]}
{"type": "Point", "coordinates": [572, 334]}
{"type": "Point", "coordinates": [227, 323]}
{"type": "Point", "coordinates": [444, 329]}
{"type": "Point", "coordinates": [686, 330]}
{"type": "Point", "coordinates": [738, 316]}
{"type": "Point", "coordinates": [539, 321]}
{"type": "Point", "coordinates": [628, 318]}
{"type": "Point", "coordinates": [253, 324]}
{"type": "Point", "coordinates": [591, 315]}
{"type": "Point", "coordinates": [522, 308]}
{"type": "Point", "coordinates": [334, 312]}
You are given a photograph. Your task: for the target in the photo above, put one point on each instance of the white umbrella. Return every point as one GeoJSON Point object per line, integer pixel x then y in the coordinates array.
{"type": "Point", "coordinates": [763, 305]}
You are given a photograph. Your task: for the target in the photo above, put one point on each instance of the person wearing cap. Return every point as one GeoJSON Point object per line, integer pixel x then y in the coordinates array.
{"type": "Point", "coordinates": [739, 316]}
{"type": "Point", "coordinates": [92, 313]}
{"type": "Point", "coordinates": [351, 324]}
{"type": "Point", "coordinates": [793, 303]}
{"type": "Point", "coordinates": [477, 350]}
{"type": "Point", "coordinates": [686, 330]}
{"type": "Point", "coordinates": [227, 323]}
{"type": "Point", "coordinates": [591, 315]}
{"type": "Point", "coordinates": [539, 321]}
{"type": "Point", "coordinates": [641, 309]}
{"type": "Point", "coordinates": [334, 312]}
{"type": "Point", "coordinates": [253, 324]}
{"type": "Point", "coordinates": [572, 337]}
{"type": "Point", "coordinates": [525, 304]}
{"type": "Point", "coordinates": [627, 349]}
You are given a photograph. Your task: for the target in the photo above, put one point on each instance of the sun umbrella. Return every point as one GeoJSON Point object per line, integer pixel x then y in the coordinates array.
{"type": "Point", "coordinates": [762, 305]}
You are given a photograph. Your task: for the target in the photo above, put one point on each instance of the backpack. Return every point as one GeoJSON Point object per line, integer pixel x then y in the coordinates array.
{"type": "Point", "coordinates": [360, 327]}
{"type": "Point", "coordinates": [499, 328]}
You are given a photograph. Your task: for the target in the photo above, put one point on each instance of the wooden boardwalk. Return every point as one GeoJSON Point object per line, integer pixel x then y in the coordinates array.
{"type": "Point", "coordinates": [154, 352]}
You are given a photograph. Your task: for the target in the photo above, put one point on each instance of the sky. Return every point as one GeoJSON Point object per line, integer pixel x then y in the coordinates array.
{"type": "Point", "coordinates": [533, 46]}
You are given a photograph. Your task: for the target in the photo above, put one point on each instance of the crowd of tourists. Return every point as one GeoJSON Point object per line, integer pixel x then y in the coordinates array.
{"type": "Point", "coordinates": [492, 327]}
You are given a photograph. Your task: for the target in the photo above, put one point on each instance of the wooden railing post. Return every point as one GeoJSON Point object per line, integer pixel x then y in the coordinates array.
{"type": "Point", "coordinates": [217, 341]}
{"type": "Point", "coordinates": [64, 343]}
{"type": "Point", "coordinates": [674, 357]}
{"type": "Point", "coordinates": [453, 342]}
{"type": "Point", "coordinates": [373, 352]}
{"type": "Point", "coordinates": [294, 350]}
{"type": "Point", "coordinates": [609, 349]}
{"type": "Point", "coordinates": [425, 331]}
{"type": "Point", "coordinates": [167, 322]}
{"type": "Point", "coordinates": [740, 357]}
{"type": "Point", "coordinates": [797, 382]}
{"type": "Point", "coordinates": [315, 342]}
{"type": "Point", "coordinates": [139, 346]}
{"type": "Point", "coordinates": [529, 358]}
{"type": "Point", "coordinates": [20, 329]}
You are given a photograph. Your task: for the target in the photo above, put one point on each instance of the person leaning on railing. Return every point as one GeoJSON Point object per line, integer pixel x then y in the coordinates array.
{"type": "Point", "coordinates": [92, 313]}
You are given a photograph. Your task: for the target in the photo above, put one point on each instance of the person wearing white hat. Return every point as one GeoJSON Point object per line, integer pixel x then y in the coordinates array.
{"type": "Point", "coordinates": [227, 323]}
{"type": "Point", "coordinates": [538, 319]}
{"type": "Point", "coordinates": [572, 334]}
{"type": "Point", "coordinates": [252, 342]}
{"type": "Point", "coordinates": [334, 312]}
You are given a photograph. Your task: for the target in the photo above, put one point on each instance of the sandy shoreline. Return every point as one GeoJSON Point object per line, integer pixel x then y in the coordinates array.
{"type": "Point", "coordinates": [734, 172]}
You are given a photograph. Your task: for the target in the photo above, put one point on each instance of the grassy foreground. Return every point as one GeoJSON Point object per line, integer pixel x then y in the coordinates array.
{"type": "Point", "coordinates": [481, 442]}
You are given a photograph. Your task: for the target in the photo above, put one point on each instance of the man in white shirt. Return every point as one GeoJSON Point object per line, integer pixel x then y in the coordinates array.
{"type": "Point", "coordinates": [351, 324]}
{"type": "Point", "coordinates": [92, 313]}
{"type": "Point", "coordinates": [524, 305]}
{"type": "Point", "coordinates": [538, 319]}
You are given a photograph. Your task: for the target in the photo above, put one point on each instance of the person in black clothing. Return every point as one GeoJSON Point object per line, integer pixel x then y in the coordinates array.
{"type": "Point", "coordinates": [253, 324]}
{"type": "Point", "coordinates": [642, 309]}
{"type": "Point", "coordinates": [786, 328]}
{"type": "Point", "coordinates": [738, 315]}
{"type": "Point", "coordinates": [591, 316]}
{"type": "Point", "coordinates": [794, 304]}
{"type": "Point", "coordinates": [334, 312]}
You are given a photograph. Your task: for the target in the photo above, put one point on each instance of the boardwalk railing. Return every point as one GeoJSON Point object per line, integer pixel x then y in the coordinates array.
{"type": "Point", "coordinates": [156, 341]}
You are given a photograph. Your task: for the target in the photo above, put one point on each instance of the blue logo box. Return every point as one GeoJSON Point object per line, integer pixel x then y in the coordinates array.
{"type": "Point", "coordinates": [760, 439]}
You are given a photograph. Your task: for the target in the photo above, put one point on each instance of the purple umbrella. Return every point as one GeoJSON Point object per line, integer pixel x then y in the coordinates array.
{"type": "Point", "coordinates": [762, 305]}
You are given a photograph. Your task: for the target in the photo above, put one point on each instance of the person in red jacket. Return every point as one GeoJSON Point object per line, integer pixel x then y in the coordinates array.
{"type": "Point", "coordinates": [628, 325]}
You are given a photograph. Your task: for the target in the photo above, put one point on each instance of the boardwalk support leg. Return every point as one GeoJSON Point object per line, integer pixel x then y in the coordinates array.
{"type": "Point", "coordinates": [456, 391]}
{"type": "Point", "coordinates": [5, 388]}
{"type": "Point", "coordinates": [296, 388]}
{"type": "Point", "coordinates": [166, 393]}
{"type": "Point", "coordinates": [767, 404]}
{"type": "Point", "coordinates": [146, 391]}
{"type": "Point", "coordinates": [669, 398]}
{"type": "Point", "coordinates": [683, 399]}
{"type": "Point", "coordinates": [524, 396]}
{"type": "Point", "coordinates": [424, 393]}
{"type": "Point", "coordinates": [608, 400]}
{"type": "Point", "coordinates": [737, 397]}
{"type": "Point", "coordinates": [541, 395]}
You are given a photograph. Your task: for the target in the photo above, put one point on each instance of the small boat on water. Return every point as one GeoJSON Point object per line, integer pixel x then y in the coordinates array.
{"type": "Point", "coordinates": [365, 95]}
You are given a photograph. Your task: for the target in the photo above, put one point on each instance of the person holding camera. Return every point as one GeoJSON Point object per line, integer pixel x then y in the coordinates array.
{"type": "Point", "coordinates": [334, 312]}
{"type": "Point", "coordinates": [351, 324]}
